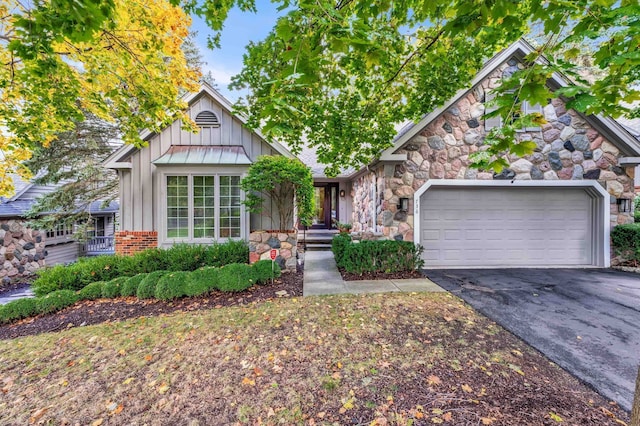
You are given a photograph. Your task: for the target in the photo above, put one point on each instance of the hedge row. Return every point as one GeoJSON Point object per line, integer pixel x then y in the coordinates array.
{"type": "Point", "coordinates": [181, 257]}
{"type": "Point", "coordinates": [626, 241]}
{"type": "Point", "coordinates": [163, 285]}
{"type": "Point", "coordinates": [383, 256]}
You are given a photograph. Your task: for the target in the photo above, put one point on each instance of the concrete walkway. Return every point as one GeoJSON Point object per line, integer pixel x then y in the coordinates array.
{"type": "Point", "coordinates": [321, 276]}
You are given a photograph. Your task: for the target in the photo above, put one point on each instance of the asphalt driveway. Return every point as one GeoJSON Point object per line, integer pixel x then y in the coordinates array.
{"type": "Point", "coordinates": [585, 320]}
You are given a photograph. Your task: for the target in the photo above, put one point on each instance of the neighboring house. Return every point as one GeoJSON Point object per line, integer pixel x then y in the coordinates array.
{"type": "Point", "coordinates": [185, 187]}
{"type": "Point", "coordinates": [553, 208]}
{"type": "Point", "coordinates": [23, 250]}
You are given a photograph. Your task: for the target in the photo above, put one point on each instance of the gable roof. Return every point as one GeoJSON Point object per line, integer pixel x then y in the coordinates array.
{"type": "Point", "coordinates": [607, 126]}
{"type": "Point", "coordinates": [114, 161]}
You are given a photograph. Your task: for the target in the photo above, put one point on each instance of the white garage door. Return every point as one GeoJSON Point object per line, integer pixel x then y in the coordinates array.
{"type": "Point", "coordinates": [517, 227]}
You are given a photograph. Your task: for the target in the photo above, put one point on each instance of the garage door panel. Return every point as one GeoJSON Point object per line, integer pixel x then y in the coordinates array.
{"type": "Point", "coordinates": [467, 227]}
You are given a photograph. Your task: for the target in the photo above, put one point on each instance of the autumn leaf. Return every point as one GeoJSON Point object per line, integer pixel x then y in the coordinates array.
{"type": "Point", "coordinates": [555, 417]}
{"type": "Point", "coordinates": [248, 382]}
{"type": "Point", "coordinates": [258, 371]}
{"type": "Point", "coordinates": [433, 380]}
{"type": "Point", "coordinates": [148, 357]}
{"type": "Point", "coordinates": [447, 416]}
{"type": "Point", "coordinates": [97, 422]}
{"type": "Point", "coordinates": [486, 420]}
{"type": "Point", "coordinates": [38, 414]}
{"type": "Point", "coordinates": [466, 388]}
{"type": "Point", "coordinates": [129, 380]}
{"type": "Point", "coordinates": [163, 388]}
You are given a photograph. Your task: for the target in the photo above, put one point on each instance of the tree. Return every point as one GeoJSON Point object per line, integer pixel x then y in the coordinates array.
{"type": "Point", "coordinates": [119, 61]}
{"type": "Point", "coordinates": [339, 74]}
{"type": "Point", "coordinates": [286, 182]}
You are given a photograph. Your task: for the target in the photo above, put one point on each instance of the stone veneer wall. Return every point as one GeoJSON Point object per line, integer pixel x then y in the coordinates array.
{"type": "Point", "coordinates": [366, 199]}
{"type": "Point", "coordinates": [567, 148]}
{"type": "Point", "coordinates": [22, 249]}
{"type": "Point", "coordinates": [262, 242]}
{"type": "Point", "coordinates": [131, 242]}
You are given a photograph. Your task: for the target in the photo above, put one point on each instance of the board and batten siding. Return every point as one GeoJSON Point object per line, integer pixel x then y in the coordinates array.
{"type": "Point", "coordinates": [139, 203]}
{"type": "Point", "coordinates": [62, 253]}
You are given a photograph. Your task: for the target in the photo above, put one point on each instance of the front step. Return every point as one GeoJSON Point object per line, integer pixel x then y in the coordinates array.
{"type": "Point", "coordinates": [317, 239]}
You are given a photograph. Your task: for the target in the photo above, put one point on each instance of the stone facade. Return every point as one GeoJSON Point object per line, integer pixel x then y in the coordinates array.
{"type": "Point", "coordinates": [567, 148]}
{"type": "Point", "coordinates": [131, 242]}
{"type": "Point", "coordinates": [285, 243]}
{"type": "Point", "coordinates": [22, 249]}
{"type": "Point", "coordinates": [367, 194]}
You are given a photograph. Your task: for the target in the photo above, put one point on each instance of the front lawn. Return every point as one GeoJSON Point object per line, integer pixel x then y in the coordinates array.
{"type": "Point", "coordinates": [387, 358]}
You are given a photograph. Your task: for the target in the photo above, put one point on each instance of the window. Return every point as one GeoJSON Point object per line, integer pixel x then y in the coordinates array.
{"type": "Point", "coordinates": [526, 109]}
{"type": "Point", "coordinates": [203, 207]}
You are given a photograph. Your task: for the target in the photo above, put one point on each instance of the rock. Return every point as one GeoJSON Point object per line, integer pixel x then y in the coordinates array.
{"type": "Point", "coordinates": [473, 123]}
{"type": "Point", "coordinates": [477, 110]}
{"type": "Point", "coordinates": [273, 242]}
{"type": "Point", "coordinates": [554, 161]}
{"type": "Point", "coordinates": [551, 135]}
{"type": "Point", "coordinates": [565, 173]}
{"type": "Point", "coordinates": [564, 154]}
{"type": "Point", "coordinates": [565, 119]}
{"type": "Point", "coordinates": [450, 140]}
{"type": "Point", "coordinates": [435, 142]}
{"type": "Point", "coordinates": [615, 188]}
{"type": "Point", "coordinates": [453, 152]}
{"type": "Point", "coordinates": [608, 147]}
{"type": "Point", "coordinates": [537, 158]}
{"type": "Point", "coordinates": [618, 170]}
{"type": "Point", "coordinates": [411, 167]}
{"type": "Point", "coordinates": [544, 166]}
{"type": "Point", "coordinates": [569, 146]}
{"type": "Point", "coordinates": [592, 174]}
{"type": "Point", "coordinates": [536, 173]}
{"type": "Point", "coordinates": [567, 132]}
{"type": "Point", "coordinates": [400, 216]}
{"type": "Point", "coordinates": [4, 227]}
{"type": "Point", "coordinates": [471, 174]}
{"type": "Point", "coordinates": [577, 157]}
{"type": "Point", "coordinates": [28, 246]}
{"type": "Point", "coordinates": [557, 145]}
{"type": "Point", "coordinates": [549, 113]}
{"type": "Point", "coordinates": [588, 155]}
{"type": "Point", "coordinates": [595, 144]}
{"type": "Point", "coordinates": [589, 164]}
{"type": "Point", "coordinates": [412, 147]}
{"type": "Point", "coordinates": [478, 93]}
{"type": "Point", "coordinates": [472, 137]}
{"type": "Point", "coordinates": [523, 176]}
{"type": "Point", "coordinates": [454, 111]}
{"type": "Point", "coordinates": [597, 154]}
{"type": "Point", "coordinates": [506, 174]}
{"type": "Point", "coordinates": [550, 175]}
{"type": "Point", "coordinates": [484, 176]}
{"type": "Point", "coordinates": [387, 218]}
{"type": "Point", "coordinates": [577, 172]}
{"type": "Point", "coordinates": [437, 171]}
{"type": "Point", "coordinates": [580, 142]}
{"type": "Point", "coordinates": [521, 166]}
{"type": "Point", "coordinates": [447, 127]}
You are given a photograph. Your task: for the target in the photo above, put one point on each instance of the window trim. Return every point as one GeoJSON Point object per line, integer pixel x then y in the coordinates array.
{"type": "Point", "coordinates": [190, 172]}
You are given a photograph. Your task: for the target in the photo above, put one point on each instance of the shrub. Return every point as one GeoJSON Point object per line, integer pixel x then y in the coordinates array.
{"type": "Point", "coordinates": [265, 270]}
{"type": "Point", "coordinates": [56, 301]}
{"type": "Point", "coordinates": [56, 278]}
{"type": "Point", "coordinates": [626, 241]}
{"type": "Point", "coordinates": [172, 285]}
{"type": "Point", "coordinates": [113, 288]}
{"type": "Point", "coordinates": [18, 309]}
{"type": "Point", "coordinates": [381, 256]}
{"type": "Point", "coordinates": [185, 257]}
{"type": "Point", "coordinates": [338, 246]}
{"type": "Point", "coordinates": [91, 291]}
{"type": "Point", "coordinates": [235, 277]}
{"type": "Point", "coordinates": [130, 286]}
{"type": "Point", "coordinates": [202, 281]}
{"type": "Point", "coordinates": [225, 254]}
{"type": "Point", "coordinates": [147, 287]}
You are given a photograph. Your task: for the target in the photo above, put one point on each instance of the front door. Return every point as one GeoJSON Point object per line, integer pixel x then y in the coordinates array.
{"type": "Point", "coordinates": [326, 198]}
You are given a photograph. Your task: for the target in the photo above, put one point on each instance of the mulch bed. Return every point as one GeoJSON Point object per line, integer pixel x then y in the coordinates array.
{"type": "Point", "coordinates": [348, 276]}
{"type": "Point", "coordinates": [106, 310]}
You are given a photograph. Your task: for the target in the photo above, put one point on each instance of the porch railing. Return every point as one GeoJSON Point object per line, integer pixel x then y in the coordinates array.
{"type": "Point", "coordinates": [95, 246]}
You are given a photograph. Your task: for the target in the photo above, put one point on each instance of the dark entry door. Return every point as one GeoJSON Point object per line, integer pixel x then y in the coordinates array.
{"type": "Point", "coordinates": [326, 213]}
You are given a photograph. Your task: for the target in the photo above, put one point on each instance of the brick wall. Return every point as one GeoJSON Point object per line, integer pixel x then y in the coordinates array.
{"type": "Point", "coordinates": [130, 242]}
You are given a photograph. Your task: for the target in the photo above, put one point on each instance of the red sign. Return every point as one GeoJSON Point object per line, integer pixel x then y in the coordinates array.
{"type": "Point", "coordinates": [273, 254]}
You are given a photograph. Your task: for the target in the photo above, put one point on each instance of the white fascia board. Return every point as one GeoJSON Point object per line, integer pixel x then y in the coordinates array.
{"type": "Point", "coordinates": [113, 161]}
{"type": "Point", "coordinates": [628, 161]}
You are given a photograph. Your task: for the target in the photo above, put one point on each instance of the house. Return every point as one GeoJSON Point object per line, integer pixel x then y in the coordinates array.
{"type": "Point", "coordinates": [185, 188]}
{"type": "Point", "coordinates": [555, 207]}
{"type": "Point", "coordinates": [23, 249]}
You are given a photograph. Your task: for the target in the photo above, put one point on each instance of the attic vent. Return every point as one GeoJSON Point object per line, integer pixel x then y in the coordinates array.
{"type": "Point", "coordinates": [207, 119]}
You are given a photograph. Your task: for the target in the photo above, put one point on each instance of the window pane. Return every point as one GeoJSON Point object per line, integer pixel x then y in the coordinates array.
{"type": "Point", "coordinates": [230, 206]}
{"type": "Point", "coordinates": [177, 203]}
{"type": "Point", "coordinates": [203, 195]}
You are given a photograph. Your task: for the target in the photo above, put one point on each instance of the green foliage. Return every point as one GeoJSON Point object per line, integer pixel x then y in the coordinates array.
{"type": "Point", "coordinates": [338, 246]}
{"type": "Point", "coordinates": [181, 257]}
{"type": "Point", "coordinates": [265, 270]}
{"type": "Point", "coordinates": [147, 287]}
{"type": "Point", "coordinates": [56, 301]}
{"type": "Point", "coordinates": [18, 309]}
{"type": "Point", "coordinates": [626, 241]}
{"type": "Point", "coordinates": [202, 281]}
{"type": "Point", "coordinates": [130, 287]}
{"type": "Point", "coordinates": [386, 256]}
{"type": "Point", "coordinates": [172, 285]}
{"type": "Point", "coordinates": [232, 251]}
{"type": "Point", "coordinates": [282, 180]}
{"type": "Point", "coordinates": [91, 291]}
{"type": "Point", "coordinates": [113, 288]}
{"type": "Point", "coordinates": [235, 277]}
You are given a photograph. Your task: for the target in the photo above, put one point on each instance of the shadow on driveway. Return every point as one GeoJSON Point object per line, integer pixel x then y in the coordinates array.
{"type": "Point", "coordinates": [585, 320]}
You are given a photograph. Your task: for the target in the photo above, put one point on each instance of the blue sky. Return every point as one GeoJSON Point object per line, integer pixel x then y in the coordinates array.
{"type": "Point", "coordinates": [239, 29]}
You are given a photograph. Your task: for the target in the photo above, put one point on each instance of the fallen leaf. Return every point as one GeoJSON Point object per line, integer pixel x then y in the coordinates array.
{"type": "Point", "coordinates": [129, 380]}
{"type": "Point", "coordinates": [248, 382]}
{"type": "Point", "coordinates": [97, 422]}
{"type": "Point", "coordinates": [122, 352]}
{"type": "Point", "coordinates": [447, 416]}
{"type": "Point", "coordinates": [555, 417]}
{"type": "Point", "coordinates": [466, 388]}
{"type": "Point", "coordinates": [163, 388]}
{"type": "Point", "coordinates": [433, 380]}
{"type": "Point", "coordinates": [37, 415]}
{"type": "Point", "coordinates": [148, 357]}
{"type": "Point", "coordinates": [437, 420]}
{"type": "Point", "coordinates": [258, 371]}
{"type": "Point", "coordinates": [486, 420]}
